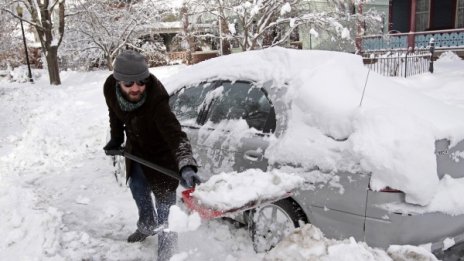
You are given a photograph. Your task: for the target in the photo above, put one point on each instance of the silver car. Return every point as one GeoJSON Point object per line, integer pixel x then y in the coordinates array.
{"type": "Point", "coordinates": [204, 110]}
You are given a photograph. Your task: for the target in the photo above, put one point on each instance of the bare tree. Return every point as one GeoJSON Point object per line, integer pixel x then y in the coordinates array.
{"type": "Point", "coordinates": [266, 23]}
{"type": "Point", "coordinates": [264, 18]}
{"type": "Point", "coordinates": [47, 18]}
{"type": "Point", "coordinates": [187, 34]}
{"type": "Point", "coordinates": [10, 43]}
{"type": "Point", "coordinates": [255, 20]}
{"type": "Point", "coordinates": [223, 25]}
{"type": "Point", "coordinates": [108, 26]}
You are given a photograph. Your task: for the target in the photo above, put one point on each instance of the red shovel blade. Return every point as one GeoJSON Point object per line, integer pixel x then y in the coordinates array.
{"type": "Point", "coordinates": [208, 213]}
{"type": "Point", "coordinates": [193, 205]}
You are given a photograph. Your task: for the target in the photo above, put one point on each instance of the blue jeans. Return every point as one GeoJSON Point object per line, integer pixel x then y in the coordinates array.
{"type": "Point", "coordinates": [149, 220]}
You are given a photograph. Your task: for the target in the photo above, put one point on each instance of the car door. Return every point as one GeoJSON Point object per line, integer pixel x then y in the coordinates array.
{"type": "Point", "coordinates": [237, 122]}
{"type": "Point", "coordinates": [449, 158]}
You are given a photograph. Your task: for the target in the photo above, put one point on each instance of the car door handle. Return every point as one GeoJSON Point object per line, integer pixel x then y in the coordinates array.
{"type": "Point", "coordinates": [253, 155]}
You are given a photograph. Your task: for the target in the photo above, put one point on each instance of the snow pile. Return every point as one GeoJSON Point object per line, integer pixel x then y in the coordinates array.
{"type": "Point", "coordinates": [385, 133]}
{"type": "Point", "coordinates": [447, 243]}
{"type": "Point", "coordinates": [227, 191]}
{"type": "Point", "coordinates": [444, 85]}
{"type": "Point", "coordinates": [448, 199]}
{"type": "Point", "coordinates": [27, 225]}
{"type": "Point", "coordinates": [309, 243]}
{"type": "Point", "coordinates": [21, 74]}
{"type": "Point", "coordinates": [392, 134]}
{"type": "Point", "coordinates": [410, 253]}
{"type": "Point", "coordinates": [179, 221]}
{"type": "Point", "coordinates": [448, 57]}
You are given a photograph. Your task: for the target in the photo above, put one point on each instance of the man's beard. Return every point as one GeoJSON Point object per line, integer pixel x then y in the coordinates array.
{"type": "Point", "coordinates": [133, 96]}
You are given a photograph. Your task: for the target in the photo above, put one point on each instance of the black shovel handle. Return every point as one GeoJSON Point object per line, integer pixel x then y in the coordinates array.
{"type": "Point", "coordinates": [149, 164]}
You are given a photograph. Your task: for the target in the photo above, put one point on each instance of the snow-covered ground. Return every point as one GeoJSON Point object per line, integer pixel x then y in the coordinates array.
{"type": "Point", "coordinates": [60, 199]}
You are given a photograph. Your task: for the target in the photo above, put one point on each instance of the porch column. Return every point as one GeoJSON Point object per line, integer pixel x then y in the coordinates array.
{"type": "Point", "coordinates": [412, 24]}
{"type": "Point", "coordinates": [390, 15]}
{"type": "Point", "coordinates": [360, 29]}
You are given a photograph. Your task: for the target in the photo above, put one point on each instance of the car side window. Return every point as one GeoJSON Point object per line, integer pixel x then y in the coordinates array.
{"type": "Point", "coordinates": [243, 100]}
{"type": "Point", "coordinates": [185, 103]}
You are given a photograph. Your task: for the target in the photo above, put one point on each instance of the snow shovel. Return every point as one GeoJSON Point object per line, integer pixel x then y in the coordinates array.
{"type": "Point", "coordinates": [192, 204]}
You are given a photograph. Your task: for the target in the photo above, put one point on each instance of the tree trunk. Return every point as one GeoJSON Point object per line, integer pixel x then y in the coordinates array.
{"type": "Point", "coordinates": [52, 65]}
{"type": "Point", "coordinates": [225, 42]}
{"type": "Point", "coordinates": [109, 62]}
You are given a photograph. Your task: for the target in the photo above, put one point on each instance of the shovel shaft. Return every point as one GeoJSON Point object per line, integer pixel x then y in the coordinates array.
{"type": "Point", "coordinates": [151, 165]}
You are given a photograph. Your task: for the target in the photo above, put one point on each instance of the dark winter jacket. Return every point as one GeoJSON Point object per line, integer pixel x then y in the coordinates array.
{"type": "Point", "coordinates": [152, 131]}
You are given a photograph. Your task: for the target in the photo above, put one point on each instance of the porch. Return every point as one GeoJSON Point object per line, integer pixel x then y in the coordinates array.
{"type": "Point", "coordinates": [444, 40]}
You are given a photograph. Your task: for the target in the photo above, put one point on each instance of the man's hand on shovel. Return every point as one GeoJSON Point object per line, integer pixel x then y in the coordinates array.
{"type": "Point", "coordinates": [115, 152]}
{"type": "Point", "coordinates": [189, 177]}
{"type": "Point", "coordinates": [113, 147]}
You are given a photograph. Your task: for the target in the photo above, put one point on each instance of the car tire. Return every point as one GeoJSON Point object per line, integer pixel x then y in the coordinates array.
{"type": "Point", "coordinates": [269, 224]}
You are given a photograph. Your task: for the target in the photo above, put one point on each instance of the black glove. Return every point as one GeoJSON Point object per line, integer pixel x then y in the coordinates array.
{"type": "Point", "coordinates": [189, 177]}
{"type": "Point", "coordinates": [113, 147]}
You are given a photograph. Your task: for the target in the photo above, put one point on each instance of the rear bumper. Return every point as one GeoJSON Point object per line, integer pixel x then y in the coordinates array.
{"type": "Point", "coordinates": [430, 228]}
{"type": "Point", "coordinates": [456, 252]}
{"type": "Point", "coordinates": [384, 228]}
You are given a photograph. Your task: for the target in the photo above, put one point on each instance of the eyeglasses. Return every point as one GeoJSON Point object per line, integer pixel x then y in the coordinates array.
{"type": "Point", "coordinates": [139, 83]}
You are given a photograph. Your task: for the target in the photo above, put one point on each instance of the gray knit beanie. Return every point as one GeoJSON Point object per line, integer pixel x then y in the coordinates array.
{"type": "Point", "coordinates": [130, 66]}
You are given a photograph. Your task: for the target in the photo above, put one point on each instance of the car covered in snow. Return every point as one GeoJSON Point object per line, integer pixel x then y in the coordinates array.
{"type": "Point", "coordinates": [373, 159]}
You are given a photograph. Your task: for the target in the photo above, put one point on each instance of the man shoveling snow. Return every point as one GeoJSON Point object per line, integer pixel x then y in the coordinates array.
{"type": "Point", "coordinates": [138, 105]}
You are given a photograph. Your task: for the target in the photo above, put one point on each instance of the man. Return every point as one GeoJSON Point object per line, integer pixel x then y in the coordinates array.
{"type": "Point", "coordinates": [139, 105]}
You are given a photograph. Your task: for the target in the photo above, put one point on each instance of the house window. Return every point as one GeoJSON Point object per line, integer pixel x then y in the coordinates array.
{"type": "Point", "coordinates": [422, 15]}
{"type": "Point", "coordinates": [460, 14]}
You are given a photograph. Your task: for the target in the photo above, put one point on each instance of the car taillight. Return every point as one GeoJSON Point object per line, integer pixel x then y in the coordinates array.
{"type": "Point", "coordinates": [391, 190]}
{"type": "Point", "coordinates": [388, 190]}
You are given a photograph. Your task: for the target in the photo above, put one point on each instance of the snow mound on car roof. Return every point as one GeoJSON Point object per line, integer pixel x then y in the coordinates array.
{"type": "Point", "coordinates": [389, 131]}
{"type": "Point", "coordinates": [277, 64]}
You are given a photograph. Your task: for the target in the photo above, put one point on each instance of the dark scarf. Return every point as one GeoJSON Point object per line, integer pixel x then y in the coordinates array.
{"type": "Point", "coordinates": [127, 105]}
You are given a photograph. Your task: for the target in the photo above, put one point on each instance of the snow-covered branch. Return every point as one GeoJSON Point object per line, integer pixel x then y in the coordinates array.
{"type": "Point", "coordinates": [110, 25]}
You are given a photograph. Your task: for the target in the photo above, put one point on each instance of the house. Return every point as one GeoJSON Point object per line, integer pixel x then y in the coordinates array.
{"type": "Point", "coordinates": [425, 15]}
{"type": "Point", "coordinates": [414, 23]}
{"type": "Point", "coordinates": [404, 24]}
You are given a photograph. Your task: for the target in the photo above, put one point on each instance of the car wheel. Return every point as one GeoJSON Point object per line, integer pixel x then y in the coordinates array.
{"type": "Point", "coordinates": [269, 224]}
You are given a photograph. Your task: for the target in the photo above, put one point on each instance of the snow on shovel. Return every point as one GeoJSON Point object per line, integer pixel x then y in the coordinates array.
{"type": "Point", "coordinates": [229, 193]}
